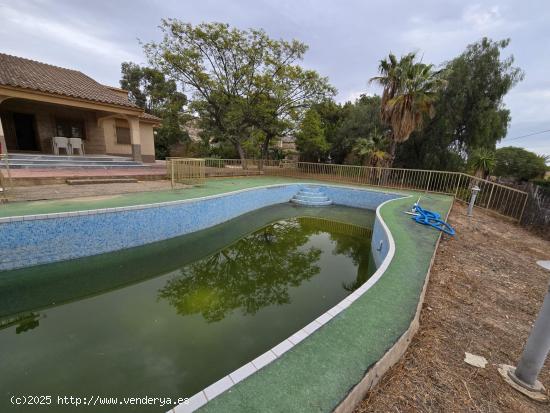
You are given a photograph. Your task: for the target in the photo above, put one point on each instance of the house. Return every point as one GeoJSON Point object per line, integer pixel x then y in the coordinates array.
{"type": "Point", "coordinates": [288, 143]}
{"type": "Point", "coordinates": [39, 101]}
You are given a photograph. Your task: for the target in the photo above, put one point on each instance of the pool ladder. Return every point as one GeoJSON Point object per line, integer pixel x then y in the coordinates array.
{"type": "Point", "coordinates": [311, 196]}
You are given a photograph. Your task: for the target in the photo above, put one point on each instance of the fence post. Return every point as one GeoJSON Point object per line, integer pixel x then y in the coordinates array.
{"type": "Point", "coordinates": [490, 196]}
{"type": "Point", "coordinates": [172, 172]}
{"type": "Point", "coordinates": [458, 184]}
{"type": "Point", "coordinates": [523, 207]}
{"type": "Point", "coordinates": [429, 181]}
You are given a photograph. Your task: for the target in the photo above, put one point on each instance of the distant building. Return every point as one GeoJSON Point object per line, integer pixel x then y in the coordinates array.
{"type": "Point", "coordinates": [287, 143]}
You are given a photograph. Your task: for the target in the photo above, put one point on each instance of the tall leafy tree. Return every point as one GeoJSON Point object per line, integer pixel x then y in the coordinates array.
{"type": "Point", "coordinates": [410, 89]}
{"type": "Point", "coordinates": [149, 89]}
{"type": "Point", "coordinates": [241, 80]}
{"type": "Point", "coordinates": [360, 119]}
{"type": "Point", "coordinates": [469, 112]}
{"type": "Point", "coordinates": [519, 163]}
{"type": "Point", "coordinates": [310, 139]}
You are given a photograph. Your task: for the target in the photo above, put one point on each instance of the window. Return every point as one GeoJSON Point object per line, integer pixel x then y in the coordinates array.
{"type": "Point", "coordinates": [70, 128]}
{"type": "Point", "coordinates": [123, 136]}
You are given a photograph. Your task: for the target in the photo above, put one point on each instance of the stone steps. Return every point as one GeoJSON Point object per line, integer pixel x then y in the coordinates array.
{"type": "Point", "coordinates": [311, 196]}
{"type": "Point", "coordinates": [20, 161]}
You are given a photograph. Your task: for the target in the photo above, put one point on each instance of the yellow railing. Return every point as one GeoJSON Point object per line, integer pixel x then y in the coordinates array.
{"type": "Point", "coordinates": [189, 171]}
{"type": "Point", "coordinates": [5, 181]}
{"type": "Point", "coordinates": [234, 167]}
{"type": "Point", "coordinates": [506, 201]}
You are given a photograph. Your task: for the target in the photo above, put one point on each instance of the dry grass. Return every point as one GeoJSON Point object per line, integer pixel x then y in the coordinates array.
{"type": "Point", "coordinates": [484, 294]}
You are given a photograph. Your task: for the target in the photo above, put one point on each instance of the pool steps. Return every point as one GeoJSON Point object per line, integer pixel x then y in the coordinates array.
{"type": "Point", "coordinates": [311, 196]}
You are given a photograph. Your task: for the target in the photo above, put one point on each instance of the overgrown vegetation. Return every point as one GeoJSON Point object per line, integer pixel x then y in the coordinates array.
{"type": "Point", "coordinates": [519, 163]}
{"type": "Point", "coordinates": [245, 86]}
{"type": "Point", "coordinates": [469, 112]}
{"type": "Point", "coordinates": [151, 90]}
{"type": "Point", "coordinates": [245, 91]}
{"type": "Point", "coordinates": [410, 90]}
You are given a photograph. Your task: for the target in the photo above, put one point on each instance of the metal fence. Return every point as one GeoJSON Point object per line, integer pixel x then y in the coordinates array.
{"type": "Point", "coordinates": [5, 180]}
{"type": "Point", "coordinates": [504, 200]}
{"type": "Point", "coordinates": [186, 171]}
{"type": "Point", "coordinates": [536, 216]}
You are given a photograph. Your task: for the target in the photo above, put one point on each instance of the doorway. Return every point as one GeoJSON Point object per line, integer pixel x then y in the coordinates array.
{"type": "Point", "coordinates": [25, 132]}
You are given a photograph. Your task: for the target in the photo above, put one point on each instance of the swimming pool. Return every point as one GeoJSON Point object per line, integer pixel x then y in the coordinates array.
{"type": "Point", "coordinates": [373, 323]}
{"type": "Point", "coordinates": [170, 318]}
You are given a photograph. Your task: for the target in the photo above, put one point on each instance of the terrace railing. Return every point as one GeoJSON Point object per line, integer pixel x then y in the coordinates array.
{"type": "Point", "coordinates": [189, 171]}
{"type": "Point", "coordinates": [503, 200]}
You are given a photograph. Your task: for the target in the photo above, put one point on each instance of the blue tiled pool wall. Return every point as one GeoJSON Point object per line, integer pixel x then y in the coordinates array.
{"type": "Point", "coordinates": [25, 243]}
{"type": "Point", "coordinates": [379, 243]}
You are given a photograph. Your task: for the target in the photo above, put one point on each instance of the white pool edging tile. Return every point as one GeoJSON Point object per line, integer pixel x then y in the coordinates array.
{"type": "Point", "coordinates": [51, 215]}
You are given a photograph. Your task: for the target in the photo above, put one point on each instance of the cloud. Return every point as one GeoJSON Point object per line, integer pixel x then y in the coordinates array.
{"type": "Point", "coordinates": [354, 95]}
{"type": "Point", "coordinates": [482, 18]}
{"type": "Point", "coordinates": [346, 42]}
{"type": "Point", "coordinates": [530, 105]}
{"type": "Point", "coordinates": [437, 34]}
{"type": "Point", "coordinates": [80, 37]}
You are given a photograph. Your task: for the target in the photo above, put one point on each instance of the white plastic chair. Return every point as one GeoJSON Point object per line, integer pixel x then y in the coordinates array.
{"type": "Point", "coordinates": [60, 142]}
{"type": "Point", "coordinates": [76, 143]}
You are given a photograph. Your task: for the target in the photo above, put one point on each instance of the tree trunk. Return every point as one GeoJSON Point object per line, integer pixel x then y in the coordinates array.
{"type": "Point", "coordinates": [393, 147]}
{"type": "Point", "coordinates": [242, 155]}
{"type": "Point", "coordinates": [265, 147]}
{"type": "Point", "coordinates": [264, 150]}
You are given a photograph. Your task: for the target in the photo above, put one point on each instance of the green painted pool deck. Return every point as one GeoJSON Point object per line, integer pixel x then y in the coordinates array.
{"type": "Point", "coordinates": [320, 371]}
{"type": "Point", "coordinates": [212, 186]}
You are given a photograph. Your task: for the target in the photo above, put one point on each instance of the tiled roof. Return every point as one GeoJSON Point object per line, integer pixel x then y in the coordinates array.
{"type": "Point", "coordinates": [148, 116]}
{"type": "Point", "coordinates": [32, 75]}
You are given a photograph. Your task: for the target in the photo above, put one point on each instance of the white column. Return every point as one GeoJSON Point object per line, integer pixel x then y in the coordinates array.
{"type": "Point", "coordinates": [135, 137]}
{"type": "Point", "coordinates": [2, 137]}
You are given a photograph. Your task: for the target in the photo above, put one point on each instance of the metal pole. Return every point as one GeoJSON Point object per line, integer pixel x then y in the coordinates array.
{"type": "Point", "coordinates": [536, 349]}
{"type": "Point", "coordinates": [524, 377]}
{"type": "Point", "coordinates": [475, 191]}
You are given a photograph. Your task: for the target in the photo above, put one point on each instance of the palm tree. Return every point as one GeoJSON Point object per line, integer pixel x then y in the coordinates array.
{"type": "Point", "coordinates": [370, 151]}
{"type": "Point", "coordinates": [482, 162]}
{"type": "Point", "coordinates": [409, 92]}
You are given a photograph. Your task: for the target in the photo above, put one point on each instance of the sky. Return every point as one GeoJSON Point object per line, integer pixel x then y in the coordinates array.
{"type": "Point", "coordinates": [346, 39]}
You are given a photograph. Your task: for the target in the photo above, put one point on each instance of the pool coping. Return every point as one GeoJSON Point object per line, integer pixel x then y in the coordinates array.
{"type": "Point", "coordinates": [32, 217]}
{"type": "Point", "coordinates": [395, 352]}
{"type": "Point", "coordinates": [224, 384]}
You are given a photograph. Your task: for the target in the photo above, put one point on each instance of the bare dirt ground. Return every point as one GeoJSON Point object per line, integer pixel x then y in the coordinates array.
{"type": "Point", "coordinates": [60, 191]}
{"type": "Point", "coordinates": [484, 293]}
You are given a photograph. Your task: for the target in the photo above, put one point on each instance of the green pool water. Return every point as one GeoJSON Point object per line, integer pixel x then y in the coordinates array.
{"type": "Point", "coordinates": [170, 318]}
